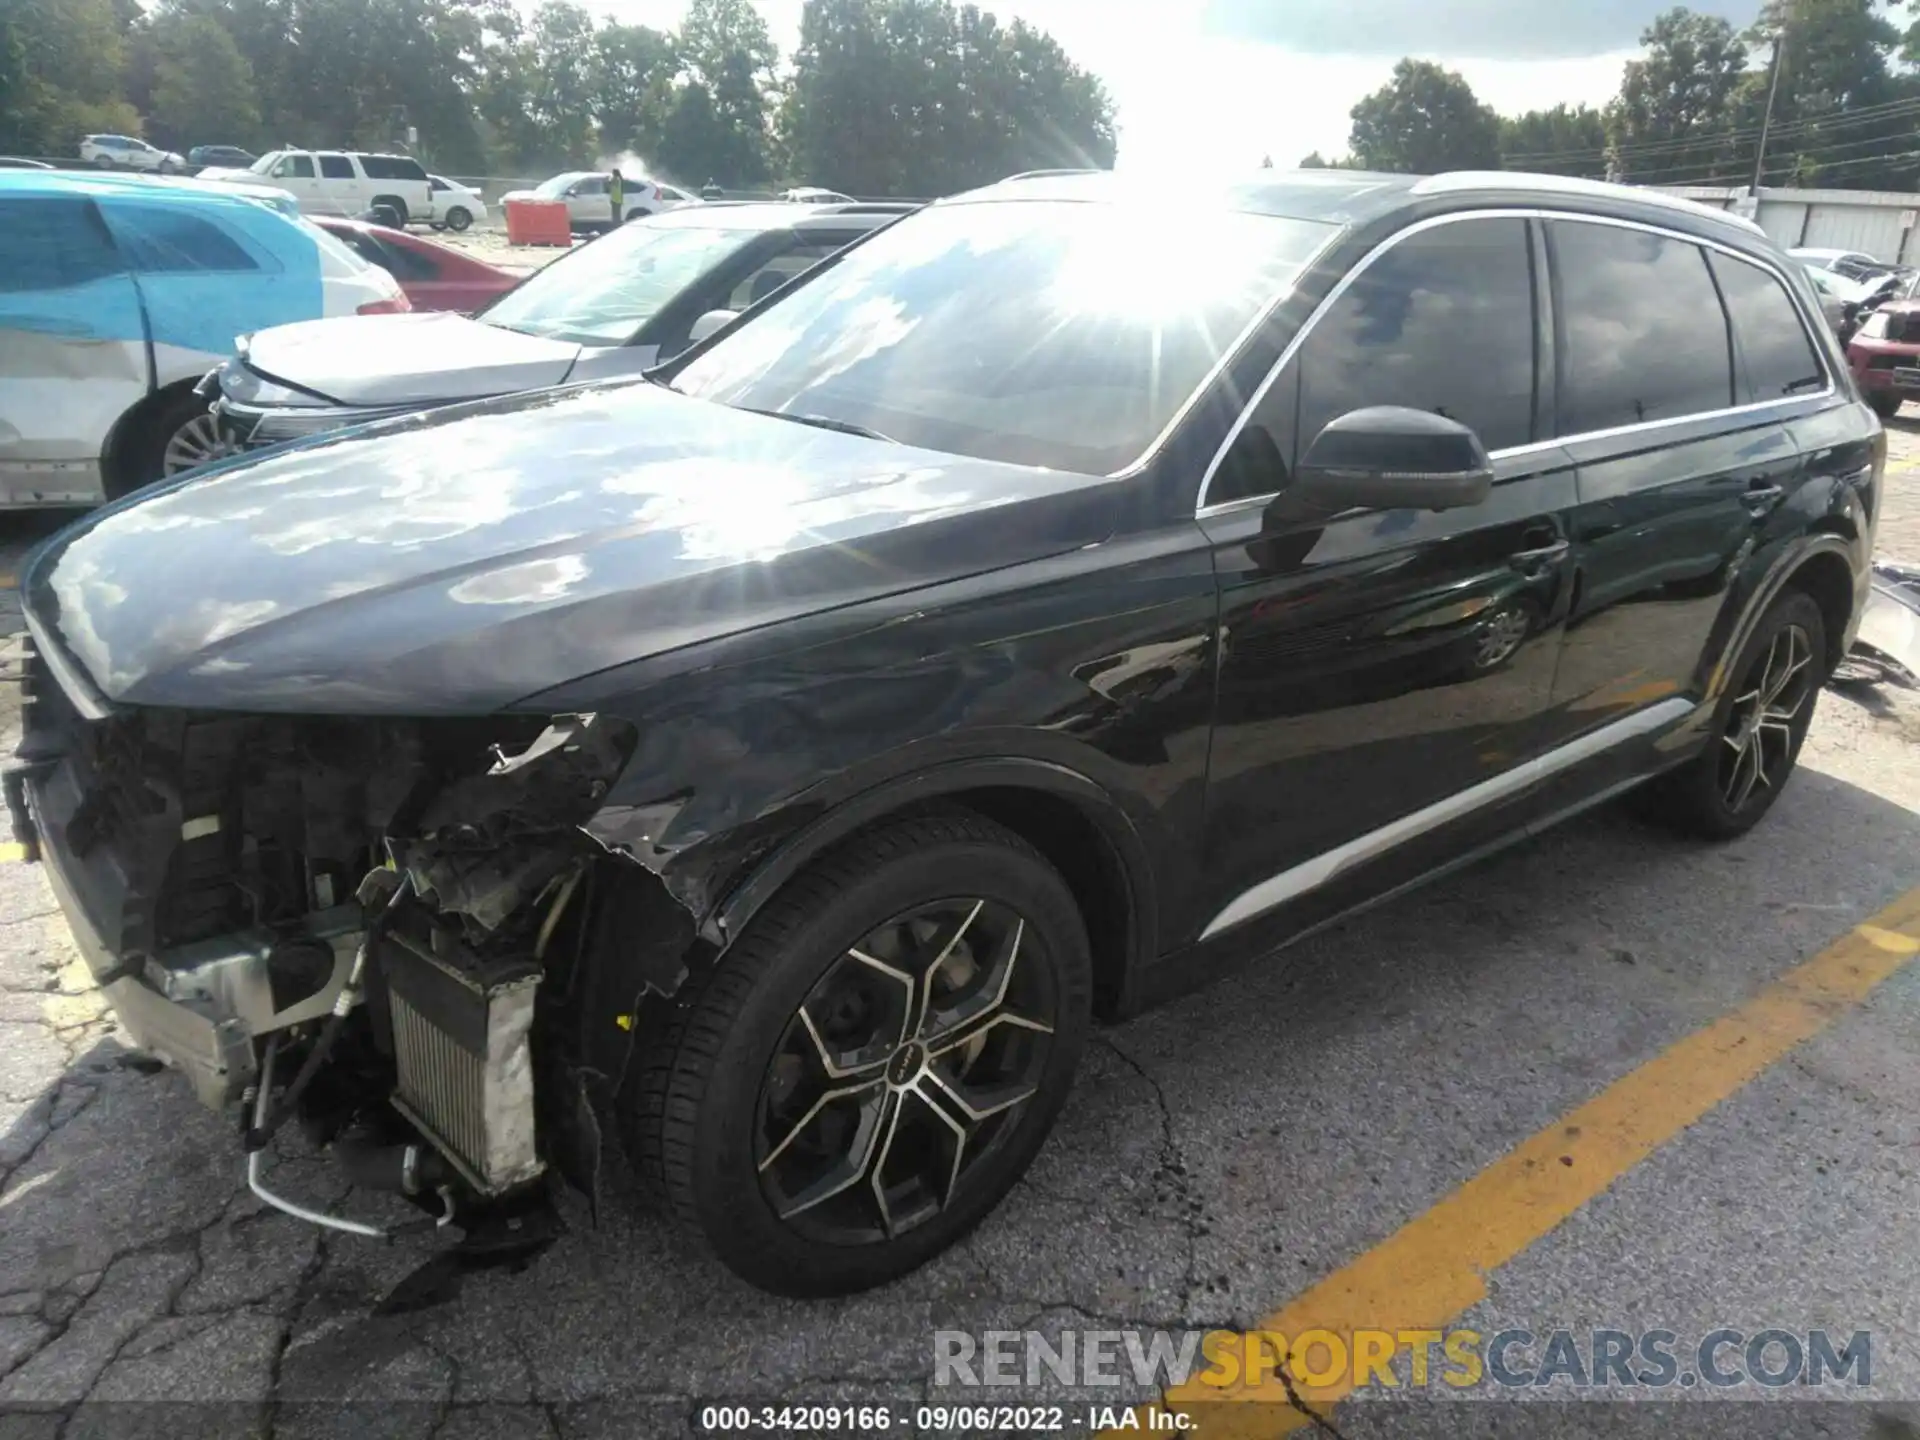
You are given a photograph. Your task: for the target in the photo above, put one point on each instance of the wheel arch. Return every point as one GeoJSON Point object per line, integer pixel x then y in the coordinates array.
{"type": "Point", "coordinates": [1069, 818]}
{"type": "Point", "coordinates": [1823, 563]}
{"type": "Point", "coordinates": [130, 429]}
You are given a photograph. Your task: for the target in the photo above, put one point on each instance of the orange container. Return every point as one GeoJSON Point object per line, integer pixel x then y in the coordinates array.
{"type": "Point", "coordinates": [537, 222]}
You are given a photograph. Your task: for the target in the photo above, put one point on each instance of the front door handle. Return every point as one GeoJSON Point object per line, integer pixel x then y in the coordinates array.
{"type": "Point", "coordinates": [1761, 498]}
{"type": "Point", "coordinates": [1535, 563]}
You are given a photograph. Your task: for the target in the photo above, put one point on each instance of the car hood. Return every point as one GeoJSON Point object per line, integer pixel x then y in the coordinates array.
{"type": "Point", "coordinates": [458, 561]}
{"type": "Point", "coordinates": [374, 360]}
{"type": "Point", "coordinates": [229, 172]}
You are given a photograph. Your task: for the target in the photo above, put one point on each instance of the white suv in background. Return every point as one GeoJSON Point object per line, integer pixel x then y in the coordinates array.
{"type": "Point", "coordinates": [343, 182]}
{"type": "Point", "coordinates": [123, 152]}
{"type": "Point", "coordinates": [590, 205]}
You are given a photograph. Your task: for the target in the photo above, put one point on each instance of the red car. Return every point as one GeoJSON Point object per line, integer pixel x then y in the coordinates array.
{"type": "Point", "coordinates": [434, 276]}
{"type": "Point", "coordinates": [1884, 355]}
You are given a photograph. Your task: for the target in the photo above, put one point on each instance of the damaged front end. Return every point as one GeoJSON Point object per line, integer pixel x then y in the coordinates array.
{"type": "Point", "coordinates": [376, 927]}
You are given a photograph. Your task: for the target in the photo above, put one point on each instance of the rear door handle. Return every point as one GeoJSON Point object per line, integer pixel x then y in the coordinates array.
{"type": "Point", "coordinates": [1539, 561]}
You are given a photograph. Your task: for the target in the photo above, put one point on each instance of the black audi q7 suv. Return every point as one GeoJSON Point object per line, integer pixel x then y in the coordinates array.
{"type": "Point", "coordinates": [777, 763]}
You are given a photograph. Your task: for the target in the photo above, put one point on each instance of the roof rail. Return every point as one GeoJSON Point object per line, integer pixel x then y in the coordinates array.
{"type": "Point", "coordinates": [1043, 174]}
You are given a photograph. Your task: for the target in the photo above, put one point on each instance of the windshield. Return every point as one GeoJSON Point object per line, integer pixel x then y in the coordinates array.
{"type": "Point", "coordinates": [265, 162]}
{"type": "Point", "coordinates": [603, 292]}
{"type": "Point", "coordinates": [1053, 334]}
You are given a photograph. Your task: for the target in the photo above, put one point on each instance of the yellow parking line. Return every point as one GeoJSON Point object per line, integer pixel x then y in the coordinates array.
{"type": "Point", "coordinates": [1434, 1267]}
{"type": "Point", "coordinates": [12, 851]}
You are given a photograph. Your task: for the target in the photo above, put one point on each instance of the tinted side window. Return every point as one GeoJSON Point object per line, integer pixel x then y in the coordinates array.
{"type": "Point", "coordinates": [776, 272]}
{"type": "Point", "coordinates": [336, 167]}
{"type": "Point", "coordinates": [392, 167]}
{"type": "Point", "coordinates": [1646, 338]}
{"type": "Point", "coordinates": [1780, 358]}
{"type": "Point", "coordinates": [1443, 321]}
{"type": "Point", "coordinates": [52, 243]}
{"type": "Point", "coordinates": [164, 241]}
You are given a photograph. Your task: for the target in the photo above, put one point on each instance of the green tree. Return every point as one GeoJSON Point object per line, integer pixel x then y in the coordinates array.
{"type": "Point", "coordinates": [1838, 59]}
{"type": "Point", "coordinates": [726, 51]}
{"type": "Point", "coordinates": [1566, 140]}
{"type": "Point", "coordinates": [202, 85]}
{"type": "Point", "coordinates": [1424, 121]}
{"type": "Point", "coordinates": [1674, 117]}
{"type": "Point", "coordinates": [633, 87]}
{"type": "Point", "coordinates": [60, 75]}
{"type": "Point", "coordinates": [918, 97]}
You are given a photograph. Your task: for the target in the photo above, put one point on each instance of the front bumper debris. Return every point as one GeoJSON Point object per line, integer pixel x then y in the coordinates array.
{"type": "Point", "coordinates": [198, 1007]}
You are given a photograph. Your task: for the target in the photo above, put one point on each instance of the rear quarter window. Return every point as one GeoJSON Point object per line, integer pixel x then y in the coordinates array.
{"type": "Point", "coordinates": [1646, 337]}
{"type": "Point", "coordinates": [392, 167]}
{"type": "Point", "coordinates": [1780, 358]}
{"type": "Point", "coordinates": [159, 240]}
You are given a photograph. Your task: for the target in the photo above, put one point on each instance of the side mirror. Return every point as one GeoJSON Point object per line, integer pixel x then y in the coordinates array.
{"type": "Point", "coordinates": [711, 323]}
{"type": "Point", "coordinates": [1388, 457]}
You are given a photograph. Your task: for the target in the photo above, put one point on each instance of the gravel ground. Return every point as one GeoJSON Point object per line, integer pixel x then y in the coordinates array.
{"type": "Point", "coordinates": [1217, 1156]}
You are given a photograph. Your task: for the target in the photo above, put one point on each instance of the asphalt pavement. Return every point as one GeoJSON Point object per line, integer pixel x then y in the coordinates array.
{"type": "Point", "coordinates": [1608, 1081]}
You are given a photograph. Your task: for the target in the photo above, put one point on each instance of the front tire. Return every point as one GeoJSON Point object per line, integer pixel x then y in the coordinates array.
{"type": "Point", "coordinates": [102, 162]}
{"type": "Point", "coordinates": [874, 1062]}
{"type": "Point", "coordinates": [1758, 729]}
{"type": "Point", "coordinates": [1885, 403]}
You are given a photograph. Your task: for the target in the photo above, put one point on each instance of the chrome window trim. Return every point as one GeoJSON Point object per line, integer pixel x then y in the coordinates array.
{"type": "Point", "coordinates": [1202, 509]}
{"type": "Point", "coordinates": [1309, 875]}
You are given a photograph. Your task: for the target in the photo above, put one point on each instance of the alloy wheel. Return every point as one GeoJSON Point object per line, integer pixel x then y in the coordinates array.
{"type": "Point", "coordinates": [1763, 725]}
{"type": "Point", "coordinates": [905, 1067]}
{"type": "Point", "coordinates": [194, 443]}
{"type": "Point", "coordinates": [1501, 637]}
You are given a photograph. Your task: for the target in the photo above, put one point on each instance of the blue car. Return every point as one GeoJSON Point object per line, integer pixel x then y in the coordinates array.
{"type": "Point", "coordinates": [117, 295]}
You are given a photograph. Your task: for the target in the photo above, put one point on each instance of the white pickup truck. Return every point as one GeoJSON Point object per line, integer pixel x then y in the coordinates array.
{"type": "Point", "coordinates": [342, 182]}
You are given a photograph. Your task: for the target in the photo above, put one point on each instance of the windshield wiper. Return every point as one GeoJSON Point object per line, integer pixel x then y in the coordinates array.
{"type": "Point", "coordinates": [822, 422]}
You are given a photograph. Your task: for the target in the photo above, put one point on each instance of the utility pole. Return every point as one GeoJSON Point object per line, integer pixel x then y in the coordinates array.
{"type": "Point", "coordinates": [1766, 121]}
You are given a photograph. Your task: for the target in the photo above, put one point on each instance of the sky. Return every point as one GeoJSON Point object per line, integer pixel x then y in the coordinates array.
{"type": "Point", "coordinates": [1213, 86]}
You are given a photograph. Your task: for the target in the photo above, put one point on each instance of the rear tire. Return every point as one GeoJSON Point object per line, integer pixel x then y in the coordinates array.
{"type": "Point", "coordinates": [786, 1074]}
{"type": "Point", "coordinates": [394, 203]}
{"type": "Point", "coordinates": [1885, 403]}
{"type": "Point", "coordinates": [638, 214]}
{"type": "Point", "coordinates": [459, 218]}
{"type": "Point", "coordinates": [1757, 729]}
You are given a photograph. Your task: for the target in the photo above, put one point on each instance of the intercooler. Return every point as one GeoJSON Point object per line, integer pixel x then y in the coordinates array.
{"type": "Point", "coordinates": [464, 1061]}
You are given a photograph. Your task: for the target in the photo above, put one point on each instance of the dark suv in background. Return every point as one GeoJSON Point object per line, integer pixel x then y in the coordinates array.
{"type": "Point", "coordinates": [1050, 601]}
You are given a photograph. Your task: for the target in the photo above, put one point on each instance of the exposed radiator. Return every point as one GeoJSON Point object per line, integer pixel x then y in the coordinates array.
{"type": "Point", "coordinates": [464, 1062]}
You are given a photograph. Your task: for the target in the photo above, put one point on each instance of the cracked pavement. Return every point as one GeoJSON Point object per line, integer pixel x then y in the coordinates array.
{"type": "Point", "coordinates": [1217, 1157]}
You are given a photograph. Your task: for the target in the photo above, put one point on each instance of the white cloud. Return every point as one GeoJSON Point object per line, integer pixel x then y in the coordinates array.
{"type": "Point", "coordinates": [1191, 101]}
